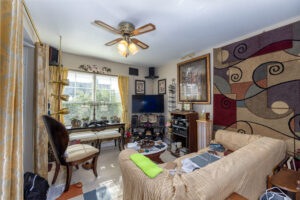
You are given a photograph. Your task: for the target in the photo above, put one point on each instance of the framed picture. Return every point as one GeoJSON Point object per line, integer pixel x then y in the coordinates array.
{"type": "Point", "coordinates": [188, 107]}
{"type": "Point", "coordinates": [161, 86]}
{"type": "Point", "coordinates": [139, 87]}
{"type": "Point", "coordinates": [179, 106]}
{"type": "Point", "coordinates": [152, 118]}
{"type": "Point", "coordinates": [143, 118]}
{"type": "Point", "coordinates": [193, 78]}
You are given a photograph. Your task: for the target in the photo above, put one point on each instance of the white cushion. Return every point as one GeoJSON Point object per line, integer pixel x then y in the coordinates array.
{"type": "Point", "coordinates": [79, 151]}
{"type": "Point", "coordinates": [108, 134]}
{"type": "Point", "coordinates": [83, 136]}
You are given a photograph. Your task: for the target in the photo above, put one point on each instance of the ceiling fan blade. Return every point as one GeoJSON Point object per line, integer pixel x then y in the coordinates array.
{"type": "Point", "coordinates": [139, 43]}
{"type": "Point", "coordinates": [143, 29]}
{"type": "Point", "coordinates": [104, 25]}
{"type": "Point", "coordinates": [113, 42]}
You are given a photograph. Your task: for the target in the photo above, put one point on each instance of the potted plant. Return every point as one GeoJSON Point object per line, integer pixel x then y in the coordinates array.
{"type": "Point", "coordinates": [103, 118]}
{"type": "Point", "coordinates": [76, 123]}
{"type": "Point", "coordinates": [115, 119]}
{"type": "Point", "coordinates": [85, 121]}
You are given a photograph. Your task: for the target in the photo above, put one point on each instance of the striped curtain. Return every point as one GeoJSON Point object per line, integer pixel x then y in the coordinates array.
{"type": "Point", "coordinates": [123, 88]}
{"type": "Point", "coordinates": [40, 108]}
{"type": "Point", "coordinates": [11, 99]}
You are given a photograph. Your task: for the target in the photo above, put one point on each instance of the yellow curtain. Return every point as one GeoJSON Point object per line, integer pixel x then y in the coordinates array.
{"type": "Point", "coordinates": [40, 108]}
{"type": "Point", "coordinates": [11, 99]}
{"type": "Point", "coordinates": [54, 76]}
{"type": "Point", "coordinates": [123, 87]}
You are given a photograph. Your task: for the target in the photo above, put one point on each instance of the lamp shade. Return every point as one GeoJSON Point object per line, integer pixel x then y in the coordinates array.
{"type": "Point", "coordinates": [122, 48]}
{"type": "Point", "coordinates": [133, 48]}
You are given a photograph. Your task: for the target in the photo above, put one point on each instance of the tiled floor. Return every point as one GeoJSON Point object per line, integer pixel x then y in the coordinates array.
{"type": "Point", "coordinates": [109, 176]}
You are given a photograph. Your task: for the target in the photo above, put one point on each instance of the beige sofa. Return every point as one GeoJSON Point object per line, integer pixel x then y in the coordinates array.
{"type": "Point", "coordinates": [244, 171]}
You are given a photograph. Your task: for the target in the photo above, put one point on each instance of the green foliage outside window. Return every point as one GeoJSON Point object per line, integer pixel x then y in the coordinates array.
{"type": "Point", "coordinates": [106, 102]}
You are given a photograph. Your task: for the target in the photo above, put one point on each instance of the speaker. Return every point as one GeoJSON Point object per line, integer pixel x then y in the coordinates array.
{"type": "Point", "coordinates": [53, 56]}
{"type": "Point", "coordinates": [133, 71]}
{"type": "Point", "coordinates": [161, 121]}
{"type": "Point", "coordinates": [134, 121]}
{"type": "Point", "coordinates": [151, 71]}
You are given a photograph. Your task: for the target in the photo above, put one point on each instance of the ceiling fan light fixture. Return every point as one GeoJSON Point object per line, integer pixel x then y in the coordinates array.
{"type": "Point", "coordinates": [122, 48]}
{"type": "Point", "coordinates": [133, 48]}
{"type": "Point", "coordinates": [124, 53]}
{"type": "Point", "coordinates": [127, 30]}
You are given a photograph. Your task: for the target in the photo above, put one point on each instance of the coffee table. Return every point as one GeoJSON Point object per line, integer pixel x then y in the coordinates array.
{"type": "Point", "coordinates": [154, 152]}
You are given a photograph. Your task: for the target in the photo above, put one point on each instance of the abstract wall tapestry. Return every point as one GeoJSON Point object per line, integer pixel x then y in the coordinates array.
{"type": "Point", "coordinates": [257, 84]}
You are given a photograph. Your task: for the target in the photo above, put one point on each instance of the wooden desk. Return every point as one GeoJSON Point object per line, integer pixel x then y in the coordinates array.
{"type": "Point", "coordinates": [288, 180]}
{"type": "Point", "coordinates": [120, 126]}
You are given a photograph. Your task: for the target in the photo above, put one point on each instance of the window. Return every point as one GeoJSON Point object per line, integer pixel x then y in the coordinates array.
{"type": "Point", "coordinates": [93, 96]}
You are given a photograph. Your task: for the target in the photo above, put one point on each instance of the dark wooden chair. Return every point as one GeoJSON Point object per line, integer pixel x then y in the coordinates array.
{"type": "Point", "coordinates": [68, 156]}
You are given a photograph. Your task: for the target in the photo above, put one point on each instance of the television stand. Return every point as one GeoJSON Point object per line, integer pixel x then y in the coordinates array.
{"type": "Point", "coordinates": [148, 126]}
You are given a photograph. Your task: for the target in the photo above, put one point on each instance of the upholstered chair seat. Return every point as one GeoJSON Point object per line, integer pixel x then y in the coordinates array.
{"type": "Point", "coordinates": [83, 136]}
{"type": "Point", "coordinates": [108, 134]}
{"type": "Point", "coordinates": [79, 151]}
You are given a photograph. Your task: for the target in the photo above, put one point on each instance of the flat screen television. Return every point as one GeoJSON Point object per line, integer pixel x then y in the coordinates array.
{"type": "Point", "coordinates": [147, 103]}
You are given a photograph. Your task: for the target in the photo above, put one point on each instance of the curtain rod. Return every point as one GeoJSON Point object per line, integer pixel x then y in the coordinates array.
{"type": "Point", "coordinates": [30, 19]}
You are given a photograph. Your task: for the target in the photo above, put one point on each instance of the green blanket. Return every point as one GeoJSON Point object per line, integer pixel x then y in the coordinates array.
{"type": "Point", "coordinates": [146, 165]}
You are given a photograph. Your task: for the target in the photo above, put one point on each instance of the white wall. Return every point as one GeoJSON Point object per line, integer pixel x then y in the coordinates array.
{"type": "Point", "coordinates": [169, 71]}
{"type": "Point", "coordinates": [28, 54]}
{"type": "Point", "coordinates": [28, 108]}
{"type": "Point", "coordinates": [73, 61]}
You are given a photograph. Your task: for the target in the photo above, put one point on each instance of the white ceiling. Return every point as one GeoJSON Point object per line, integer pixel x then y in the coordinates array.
{"type": "Point", "coordinates": [182, 26]}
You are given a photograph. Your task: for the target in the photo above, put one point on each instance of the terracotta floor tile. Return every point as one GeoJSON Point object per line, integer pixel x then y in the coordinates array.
{"type": "Point", "coordinates": [72, 192]}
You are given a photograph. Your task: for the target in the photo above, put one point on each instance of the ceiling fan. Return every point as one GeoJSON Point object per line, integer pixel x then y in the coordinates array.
{"type": "Point", "coordinates": [127, 31]}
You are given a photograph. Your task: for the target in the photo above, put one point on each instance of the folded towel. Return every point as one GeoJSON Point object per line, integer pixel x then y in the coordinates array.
{"type": "Point", "coordinates": [146, 165]}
